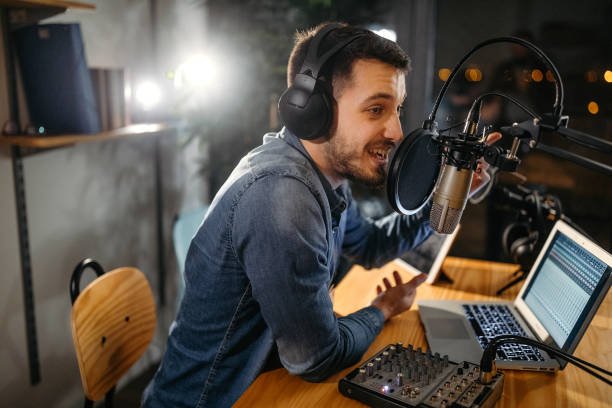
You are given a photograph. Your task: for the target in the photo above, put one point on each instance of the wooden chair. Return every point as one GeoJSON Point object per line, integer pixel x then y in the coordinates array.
{"type": "Point", "coordinates": [113, 320]}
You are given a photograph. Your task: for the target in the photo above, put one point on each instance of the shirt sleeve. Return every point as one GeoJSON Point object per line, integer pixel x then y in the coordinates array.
{"type": "Point", "coordinates": [372, 243]}
{"type": "Point", "coordinates": [280, 238]}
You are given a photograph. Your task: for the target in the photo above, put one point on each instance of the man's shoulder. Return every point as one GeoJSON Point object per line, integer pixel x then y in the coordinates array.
{"type": "Point", "coordinates": [277, 158]}
{"type": "Point", "coordinates": [273, 163]}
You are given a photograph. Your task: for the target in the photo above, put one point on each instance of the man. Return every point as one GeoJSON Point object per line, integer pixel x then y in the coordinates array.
{"type": "Point", "coordinates": [259, 270]}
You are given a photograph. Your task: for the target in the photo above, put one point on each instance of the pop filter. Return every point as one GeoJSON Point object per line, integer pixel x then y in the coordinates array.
{"type": "Point", "coordinates": [413, 171]}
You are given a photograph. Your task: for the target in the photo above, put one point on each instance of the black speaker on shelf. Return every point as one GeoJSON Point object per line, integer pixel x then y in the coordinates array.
{"type": "Point", "coordinates": [56, 80]}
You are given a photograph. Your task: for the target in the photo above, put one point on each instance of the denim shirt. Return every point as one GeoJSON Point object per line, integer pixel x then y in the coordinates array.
{"type": "Point", "coordinates": [258, 272]}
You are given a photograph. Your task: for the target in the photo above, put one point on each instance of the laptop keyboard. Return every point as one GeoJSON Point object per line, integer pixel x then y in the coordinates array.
{"type": "Point", "coordinates": [490, 321]}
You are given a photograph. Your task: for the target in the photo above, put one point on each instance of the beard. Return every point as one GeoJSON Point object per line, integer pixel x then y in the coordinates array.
{"type": "Point", "coordinates": [346, 163]}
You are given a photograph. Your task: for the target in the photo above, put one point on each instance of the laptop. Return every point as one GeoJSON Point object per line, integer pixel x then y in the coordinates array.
{"type": "Point", "coordinates": [562, 292]}
{"type": "Point", "coordinates": [429, 255]}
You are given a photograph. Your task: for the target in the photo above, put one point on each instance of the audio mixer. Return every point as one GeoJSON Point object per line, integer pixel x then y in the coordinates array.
{"type": "Point", "coordinates": [399, 376]}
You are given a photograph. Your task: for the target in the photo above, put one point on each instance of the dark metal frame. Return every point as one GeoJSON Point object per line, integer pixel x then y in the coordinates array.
{"type": "Point", "coordinates": [21, 208]}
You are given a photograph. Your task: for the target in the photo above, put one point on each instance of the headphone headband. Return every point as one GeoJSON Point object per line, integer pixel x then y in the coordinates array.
{"type": "Point", "coordinates": [310, 66]}
{"type": "Point", "coordinates": [313, 63]}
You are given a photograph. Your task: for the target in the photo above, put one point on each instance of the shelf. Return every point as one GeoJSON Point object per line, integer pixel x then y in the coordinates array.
{"type": "Point", "coordinates": [47, 3]}
{"type": "Point", "coordinates": [54, 141]}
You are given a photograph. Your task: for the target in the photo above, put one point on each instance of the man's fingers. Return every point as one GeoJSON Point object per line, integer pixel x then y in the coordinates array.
{"type": "Point", "coordinates": [417, 280]}
{"type": "Point", "coordinates": [387, 283]}
{"type": "Point", "coordinates": [493, 137]}
{"type": "Point", "coordinates": [378, 290]}
{"type": "Point", "coordinates": [397, 277]}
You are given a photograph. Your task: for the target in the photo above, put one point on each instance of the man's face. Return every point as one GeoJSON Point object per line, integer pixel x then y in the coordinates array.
{"type": "Point", "coordinates": [367, 125]}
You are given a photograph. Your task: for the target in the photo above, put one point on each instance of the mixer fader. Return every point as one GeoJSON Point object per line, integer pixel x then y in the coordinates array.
{"type": "Point", "coordinates": [399, 376]}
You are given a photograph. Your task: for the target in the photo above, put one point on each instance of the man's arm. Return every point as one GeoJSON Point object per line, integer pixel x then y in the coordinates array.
{"type": "Point", "coordinates": [279, 237]}
{"type": "Point", "coordinates": [373, 243]}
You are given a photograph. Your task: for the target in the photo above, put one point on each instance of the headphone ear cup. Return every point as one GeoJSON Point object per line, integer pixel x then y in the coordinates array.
{"type": "Point", "coordinates": [513, 233]}
{"type": "Point", "coordinates": [519, 248]}
{"type": "Point", "coordinates": [523, 249]}
{"type": "Point", "coordinates": [308, 116]}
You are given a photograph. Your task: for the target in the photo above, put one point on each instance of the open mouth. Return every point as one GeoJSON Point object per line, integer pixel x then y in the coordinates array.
{"type": "Point", "coordinates": [380, 155]}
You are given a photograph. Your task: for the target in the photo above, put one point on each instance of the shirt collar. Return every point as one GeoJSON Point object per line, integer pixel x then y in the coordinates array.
{"type": "Point", "coordinates": [336, 198]}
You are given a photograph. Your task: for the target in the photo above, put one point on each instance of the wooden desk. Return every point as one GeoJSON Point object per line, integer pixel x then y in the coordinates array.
{"type": "Point", "coordinates": [473, 280]}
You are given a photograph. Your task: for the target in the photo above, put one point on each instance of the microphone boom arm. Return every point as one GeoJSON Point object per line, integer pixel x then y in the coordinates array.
{"type": "Point", "coordinates": [533, 129]}
{"type": "Point", "coordinates": [573, 157]}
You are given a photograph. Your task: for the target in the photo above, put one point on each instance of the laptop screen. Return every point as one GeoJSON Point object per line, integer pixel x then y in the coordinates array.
{"type": "Point", "coordinates": [564, 288]}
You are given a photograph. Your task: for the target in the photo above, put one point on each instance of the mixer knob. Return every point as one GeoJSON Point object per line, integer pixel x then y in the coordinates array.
{"type": "Point", "coordinates": [361, 377]}
{"type": "Point", "coordinates": [377, 362]}
{"type": "Point", "coordinates": [399, 379]}
{"type": "Point", "coordinates": [385, 356]}
{"type": "Point", "coordinates": [370, 369]}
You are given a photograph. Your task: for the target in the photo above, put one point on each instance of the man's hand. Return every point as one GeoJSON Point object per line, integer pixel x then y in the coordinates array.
{"type": "Point", "coordinates": [481, 177]}
{"type": "Point", "coordinates": [396, 299]}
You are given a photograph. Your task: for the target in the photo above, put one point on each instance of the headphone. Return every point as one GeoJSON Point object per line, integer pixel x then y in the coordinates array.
{"type": "Point", "coordinates": [522, 240]}
{"type": "Point", "coordinates": [306, 108]}
{"type": "Point", "coordinates": [519, 241]}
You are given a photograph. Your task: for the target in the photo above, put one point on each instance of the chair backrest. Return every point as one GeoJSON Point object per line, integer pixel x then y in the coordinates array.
{"type": "Point", "coordinates": [113, 320]}
{"type": "Point", "coordinates": [185, 226]}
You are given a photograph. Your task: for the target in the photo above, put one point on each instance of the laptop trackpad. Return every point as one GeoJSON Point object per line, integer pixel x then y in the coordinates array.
{"type": "Point", "coordinates": [448, 329]}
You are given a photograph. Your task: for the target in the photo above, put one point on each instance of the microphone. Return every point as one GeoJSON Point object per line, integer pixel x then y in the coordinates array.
{"type": "Point", "coordinates": [430, 164]}
{"type": "Point", "coordinates": [460, 156]}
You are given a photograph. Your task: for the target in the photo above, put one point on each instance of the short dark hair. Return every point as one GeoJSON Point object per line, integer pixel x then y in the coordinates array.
{"type": "Point", "coordinates": [339, 67]}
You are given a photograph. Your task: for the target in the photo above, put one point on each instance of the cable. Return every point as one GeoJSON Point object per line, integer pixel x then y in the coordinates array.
{"type": "Point", "coordinates": [559, 90]}
{"type": "Point", "coordinates": [478, 198]}
{"type": "Point", "coordinates": [455, 125]}
{"type": "Point", "coordinates": [488, 356]}
{"type": "Point", "coordinates": [481, 97]}
{"type": "Point", "coordinates": [508, 97]}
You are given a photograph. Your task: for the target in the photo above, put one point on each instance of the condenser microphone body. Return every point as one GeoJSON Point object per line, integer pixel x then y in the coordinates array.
{"type": "Point", "coordinates": [453, 185]}
{"type": "Point", "coordinates": [449, 198]}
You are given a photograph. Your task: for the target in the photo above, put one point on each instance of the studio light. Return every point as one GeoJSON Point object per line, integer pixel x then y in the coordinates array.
{"type": "Point", "coordinates": [148, 95]}
{"type": "Point", "coordinates": [199, 71]}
